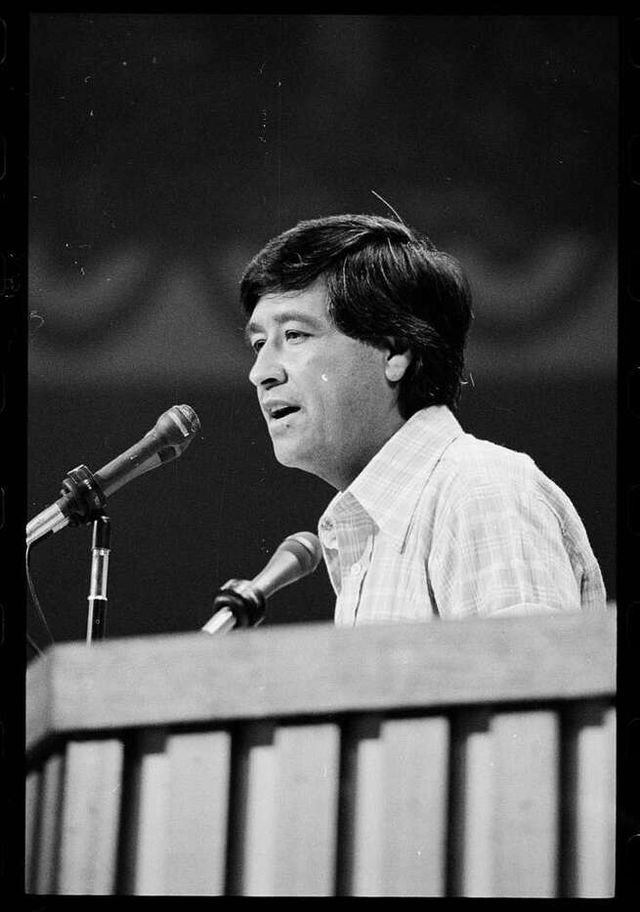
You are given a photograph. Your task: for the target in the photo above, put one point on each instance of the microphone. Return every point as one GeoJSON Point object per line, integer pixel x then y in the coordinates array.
{"type": "Point", "coordinates": [84, 494]}
{"type": "Point", "coordinates": [242, 603]}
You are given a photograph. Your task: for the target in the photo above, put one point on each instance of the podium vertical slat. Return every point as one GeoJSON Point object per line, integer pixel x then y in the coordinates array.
{"type": "Point", "coordinates": [526, 803]}
{"type": "Point", "coordinates": [362, 836]}
{"type": "Point", "coordinates": [197, 817]}
{"type": "Point", "coordinates": [176, 831]}
{"type": "Point", "coordinates": [307, 802]}
{"type": "Point", "coordinates": [416, 779]}
{"type": "Point", "coordinates": [289, 785]}
{"type": "Point", "coordinates": [253, 823]}
{"type": "Point", "coordinates": [147, 815]}
{"type": "Point", "coordinates": [89, 837]}
{"type": "Point", "coordinates": [591, 801]}
{"type": "Point", "coordinates": [400, 785]}
{"type": "Point", "coordinates": [49, 825]}
{"type": "Point", "coordinates": [471, 837]}
{"type": "Point", "coordinates": [32, 822]}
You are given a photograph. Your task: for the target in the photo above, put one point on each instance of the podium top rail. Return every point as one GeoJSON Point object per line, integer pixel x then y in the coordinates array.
{"type": "Point", "coordinates": [316, 668]}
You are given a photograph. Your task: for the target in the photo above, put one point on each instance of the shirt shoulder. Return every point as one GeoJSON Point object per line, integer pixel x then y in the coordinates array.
{"type": "Point", "coordinates": [480, 478]}
{"type": "Point", "coordinates": [504, 537]}
{"type": "Point", "coordinates": [470, 466]}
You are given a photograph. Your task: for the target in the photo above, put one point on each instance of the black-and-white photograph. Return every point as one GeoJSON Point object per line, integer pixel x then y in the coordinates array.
{"type": "Point", "coordinates": [322, 441]}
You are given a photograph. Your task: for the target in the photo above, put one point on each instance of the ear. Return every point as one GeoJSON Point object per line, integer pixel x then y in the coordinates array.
{"type": "Point", "coordinates": [398, 359]}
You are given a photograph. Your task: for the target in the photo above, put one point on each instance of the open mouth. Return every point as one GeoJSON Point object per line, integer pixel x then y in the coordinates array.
{"type": "Point", "coordinates": [282, 412]}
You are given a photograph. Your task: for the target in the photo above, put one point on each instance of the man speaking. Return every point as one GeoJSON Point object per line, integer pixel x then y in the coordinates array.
{"type": "Point", "coordinates": [358, 324]}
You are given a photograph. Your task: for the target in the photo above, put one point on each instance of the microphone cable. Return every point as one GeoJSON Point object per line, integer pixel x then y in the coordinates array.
{"type": "Point", "coordinates": [36, 602]}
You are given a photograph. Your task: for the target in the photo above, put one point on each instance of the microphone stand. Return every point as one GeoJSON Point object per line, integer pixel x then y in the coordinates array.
{"type": "Point", "coordinates": [100, 550]}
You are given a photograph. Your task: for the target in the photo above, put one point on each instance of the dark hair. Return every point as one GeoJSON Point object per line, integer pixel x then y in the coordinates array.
{"type": "Point", "coordinates": [383, 280]}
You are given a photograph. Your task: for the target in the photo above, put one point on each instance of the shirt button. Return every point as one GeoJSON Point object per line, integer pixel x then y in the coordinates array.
{"type": "Point", "coordinates": [356, 568]}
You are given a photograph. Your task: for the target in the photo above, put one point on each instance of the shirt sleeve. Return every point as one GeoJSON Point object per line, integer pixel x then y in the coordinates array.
{"type": "Point", "coordinates": [500, 551]}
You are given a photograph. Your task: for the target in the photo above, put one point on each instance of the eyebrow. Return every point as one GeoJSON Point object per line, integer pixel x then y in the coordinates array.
{"type": "Point", "coordinates": [284, 316]}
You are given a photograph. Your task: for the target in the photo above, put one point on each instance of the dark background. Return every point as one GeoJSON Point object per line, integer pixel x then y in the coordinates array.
{"type": "Point", "coordinates": [166, 149]}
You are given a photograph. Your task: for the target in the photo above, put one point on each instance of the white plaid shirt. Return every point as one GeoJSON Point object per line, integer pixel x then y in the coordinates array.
{"type": "Point", "coordinates": [441, 524]}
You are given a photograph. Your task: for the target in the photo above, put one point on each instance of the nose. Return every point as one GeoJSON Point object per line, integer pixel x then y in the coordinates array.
{"type": "Point", "coordinates": [268, 369]}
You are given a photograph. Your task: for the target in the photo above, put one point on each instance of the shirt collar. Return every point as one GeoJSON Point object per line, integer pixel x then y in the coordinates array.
{"type": "Point", "coordinates": [389, 485]}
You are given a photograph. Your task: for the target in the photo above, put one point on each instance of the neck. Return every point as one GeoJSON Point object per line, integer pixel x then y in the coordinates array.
{"type": "Point", "coordinates": [341, 476]}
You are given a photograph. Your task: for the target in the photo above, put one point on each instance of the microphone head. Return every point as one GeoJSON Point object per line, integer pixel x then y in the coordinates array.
{"type": "Point", "coordinates": [297, 556]}
{"type": "Point", "coordinates": [306, 548]}
{"type": "Point", "coordinates": [176, 428]}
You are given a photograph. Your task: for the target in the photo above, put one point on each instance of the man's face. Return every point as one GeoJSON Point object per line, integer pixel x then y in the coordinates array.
{"type": "Point", "coordinates": [328, 404]}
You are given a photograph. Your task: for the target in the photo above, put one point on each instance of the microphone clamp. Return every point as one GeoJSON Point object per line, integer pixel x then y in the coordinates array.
{"type": "Point", "coordinates": [244, 601]}
{"type": "Point", "coordinates": [81, 500]}
{"type": "Point", "coordinates": [83, 496]}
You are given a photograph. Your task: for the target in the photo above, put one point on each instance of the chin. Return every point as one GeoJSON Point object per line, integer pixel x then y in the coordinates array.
{"type": "Point", "coordinates": [286, 457]}
{"type": "Point", "coordinates": [293, 459]}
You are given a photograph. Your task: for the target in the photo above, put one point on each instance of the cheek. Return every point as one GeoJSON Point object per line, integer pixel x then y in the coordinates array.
{"type": "Point", "coordinates": [345, 401]}
{"type": "Point", "coordinates": [348, 386]}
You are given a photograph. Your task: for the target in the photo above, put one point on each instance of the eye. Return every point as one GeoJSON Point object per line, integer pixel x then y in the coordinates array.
{"type": "Point", "coordinates": [256, 345]}
{"type": "Point", "coordinates": [295, 335]}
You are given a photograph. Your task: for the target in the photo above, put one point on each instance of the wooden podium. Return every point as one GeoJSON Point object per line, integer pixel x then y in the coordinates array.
{"type": "Point", "coordinates": [467, 758]}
